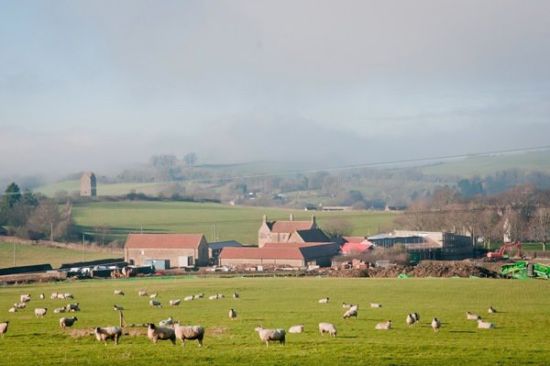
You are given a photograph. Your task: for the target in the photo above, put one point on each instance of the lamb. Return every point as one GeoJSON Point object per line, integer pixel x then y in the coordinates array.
{"type": "Point", "coordinates": [4, 328]}
{"type": "Point", "coordinates": [436, 324]}
{"type": "Point", "coordinates": [412, 318]}
{"type": "Point", "coordinates": [232, 313]}
{"type": "Point", "coordinates": [189, 332]}
{"type": "Point", "coordinates": [484, 325]}
{"type": "Point", "coordinates": [119, 292]}
{"type": "Point", "coordinates": [271, 335]}
{"type": "Point", "coordinates": [491, 310]}
{"type": "Point", "coordinates": [351, 312]}
{"type": "Point", "coordinates": [117, 307]}
{"type": "Point", "coordinates": [72, 307]}
{"type": "Point", "coordinates": [175, 302]}
{"type": "Point", "coordinates": [59, 310]}
{"type": "Point", "coordinates": [296, 328]}
{"type": "Point", "coordinates": [472, 316]}
{"type": "Point", "coordinates": [167, 322]}
{"type": "Point", "coordinates": [375, 305]}
{"type": "Point", "coordinates": [155, 303]}
{"type": "Point", "coordinates": [324, 300]}
{"type": "Point", "coordinates": [155, 333]}
{"type": "Point", "coordinates": [383, 326]}
{"type": "Point", "coordinates": [327, 328]}
{"type": "Point", "coordinates": [142, 293]}
{"type": "Point", "coordinates": [40, 312]}
{"type": "Point", "coordinates": [104, 334]}
{"type": "Point", "coordinates": [25, 298]}
{"type": "Point", "coordinates": [189, 298]}
{"type": "Point", "coordinates": [67, 322]}
{"type": "Point", "coordinates": [13, 309]}
{"type": "Point", "coordinates": [236, 295]}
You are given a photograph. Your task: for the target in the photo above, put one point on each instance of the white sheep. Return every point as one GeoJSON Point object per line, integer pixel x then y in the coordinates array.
{"type": "Point", "coordinates": [59, 310]}
{"type": "Point", "coordinates": [174, 302]}
{"type": "Point", "coordinates": [13, 309]}
{"type": "Point", "coordinates": [351, 312]}
{"type": "Point", "coordinates": [68, 295]}
{"type": "Point", "coordinates": [491, 310]}
{"type": "Point", "coordinates": [25, 298]}
{"type": "Point", "coordinates": [53, 296]}
{"type": "Point", "coordinates": [346, 306]}
{"type": "Point", "coordinates": [416, 317]}
{"type": "Point", "coordinates": [167, 322]}
{"type": "Point", "coordinates": [67, 322]}
{"type": "Point", "coordinates": [383, 325]}
{"type": "Point", "coordinates": [375, 305]}
{"type": "Point", "coordinates": [472, 316]}
{"type": "Point", "coordinates": [271, 335]}
{"type": "Point", "coordinates": [436, 324]}
{"type": "Point", "coordinates": [411, 319]}
{"type": "Point", "coordinates": [106, 333]}
{"type": "Point", "coordinates": [153, 295]}
{"type": "Point", "coordinates": [213, 297]}
{"type": "Point", "coordinates": [484, 325]}
{"type": "Point", "coordinates": [42, 296]}
{"type": "Point", "coordinates": [324, 300]}
{"type": "Point", "coordinates": [20, 305]}
{"type": "Point", "coordinates": [117, 307]}
{"type": "Point", "coordinates": [200, 295]}
{"type": "Point", "coordinates": [236, 295]}
{"type": "Point", "coordinates": [296, 328]}
{"type": "Point", "coordinates": [40, 312]}
{"type": "Point", "coordinates": [327, 328]}
{"type": "Point", "coordinates": [4, 328]}
{"type": "Point", "coordinates": [155, 333]}
{"type": "Point", "coordinates": [118, 292]}
{"type": "Point", "coordinates": [189, 298]}
{"type": "Point", "coordinates": [142, 293]}
{"type": "Point", "coordinates": [155, 303]}
{"type": "Point", "coordinates": [232, 314]}
{"type": "Point", "coordinates": [72, 307]}
{"type": "Point", "coordinates": [189, 332]}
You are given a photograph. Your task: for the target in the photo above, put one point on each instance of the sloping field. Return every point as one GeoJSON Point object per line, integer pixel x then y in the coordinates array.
{"type": "Point", "coordinates": [520, 337]}
{"type": "Point", "coordinates": [217, 222]}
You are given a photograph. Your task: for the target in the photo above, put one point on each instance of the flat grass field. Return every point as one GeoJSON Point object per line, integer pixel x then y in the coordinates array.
{"type": "Point", "coordinates": [215, 221]}
{"type": "Point", "coordinates": [520, 338]}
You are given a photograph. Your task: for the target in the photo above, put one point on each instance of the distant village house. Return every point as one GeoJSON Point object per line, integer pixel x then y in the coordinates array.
{"type": "Point", "coordinates": [290, 231]}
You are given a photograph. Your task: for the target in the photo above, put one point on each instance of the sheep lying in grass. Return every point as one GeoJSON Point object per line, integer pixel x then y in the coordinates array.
{"type": "Point", "coordinates": [436, 324]}
{"type": "Point", "coordinates": [40, 312]}
{"type": "Point", "coordinates": [68, 295]}
{"type": "Point", "coordinates": [20, 305]}
{"type": "Point", "coordinates": [296, 328]}
{"type": "Point", "coordinates": [346, 306]}
{"type": "Point", "coordinates": [25, 298]}
{"type": "Point", "coordinates": [4, 328]}
{"type": "Point", "coordinates": [119, 292]}
{"type": "Point", "coordinates": [327, 328]}
{"type": "Point", "coordinates": [106, 333]}
{"type": "Point", "coordinates": [67, 322]}
{"type": "Point", "coordinates": [174, 302]}
{"type": "Point", "coordinates": [383, 326]}
{"type": "Point", "coordinates": [200, 295]}
{"type": "Point", "coordinates": [189, 298]}
{"type": "Point", "coordinates": [72, 307]}
{"type": "Point", "coordinates": [13, 309]}
{"type": "Point", "coordinates": [155, 333]}
{"type": "Point", "coordinates": [189, 332]}
{"type": "Point", "coordinates": [153, 295]}
{"type": "Point", "coordinates": [232, 314]}
{"type": "Point", "coordinates": [215, 297]}
{"type": "Point", "coordinates": [491, 310]}
{"type": "Point", "coordinates": [324, 300]}
{"type": "Point", "coordinates": [472, 316]}
{"type": "Point", "coordinates": [351, 312]}
{"type": "Point", "coordinates": [271, 335]}
{"type": "Point", "coordinates": [375, 305]}
{"type": "Point", "coordinates": [484, 325]}
{"type": "Point", "coordinates": [142, 293]}
{"type": "Point", "coordinates": [59, 310]}
{"type": "Point", "coordinates": [155, 303]}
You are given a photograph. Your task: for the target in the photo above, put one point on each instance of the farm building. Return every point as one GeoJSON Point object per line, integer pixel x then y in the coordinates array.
{"type": "Point", "coordinates": [88, 186]}
{"type": "Point", "coordinates": [355, 245]}
{"type": "Point", "coordinates": [290, 231]}
{"type": "Point", "coordinates": [283, 254]}
{"type": "Point", "coordinates": [166, 250]}
{"type": "Point", "coordinates": [214, 249]}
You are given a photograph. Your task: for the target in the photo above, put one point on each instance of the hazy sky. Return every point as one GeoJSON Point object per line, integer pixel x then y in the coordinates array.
{"type": "Point", "coordinates": [103, 84]}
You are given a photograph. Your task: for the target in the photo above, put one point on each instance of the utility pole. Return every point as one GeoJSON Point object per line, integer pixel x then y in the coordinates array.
{"type": "Point", "coordinates": [51, 231]}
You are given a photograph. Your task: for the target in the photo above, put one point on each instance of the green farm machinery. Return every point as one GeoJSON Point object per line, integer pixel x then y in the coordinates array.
{"type": "Point", "coordinates": [523, 270]}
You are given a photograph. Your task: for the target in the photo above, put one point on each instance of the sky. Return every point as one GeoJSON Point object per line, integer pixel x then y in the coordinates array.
{"type": "Point", "coordinates": [101, 85]}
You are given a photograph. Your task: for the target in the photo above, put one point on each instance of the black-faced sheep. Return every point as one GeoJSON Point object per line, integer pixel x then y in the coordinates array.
{"type": "Point", "coordinates": [67, 322]}
{"type": "Point", "coordinates": [436, 324]}
{"type": "Point", "coordinates": [324, 300]}
{"type": "Point", "coordinates": [119, 292]}
{"type": "Point", "coordinates": [232, 313]}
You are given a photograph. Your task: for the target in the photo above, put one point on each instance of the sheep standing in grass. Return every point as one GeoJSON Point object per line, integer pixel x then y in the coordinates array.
{"type": "Point", "coordinates": [411, 319]}
{"type": "Point", "coordinates": [155, 333]}
{"type": "Point", "coordinates": [232, 314]}
{"type": "Point", "coordinates": [189, 332]}
{"type": "Point", "coordinates": [119, 292]}
{"type": "Point", "coordinates": [324, 300]}
{"type": "Point", "coordinates": [327, 328]}
{"type": "Point", "coordinates": [67, 322]}
{"type": "Point", "coordinates": [236, 295]}
{"type": "Point", "coordinates": [296, 328]}
{"type": "Point", "coordinates": [472, 316]}
{"type": "Point", "coordinates": [436, 324]}
{"type": "Point", "coordinates": [174, 302]}
{"type": "Point", "coordinates": [42, 296]}
{"type": "Point", "coordinates": [40, 312]}
{"type": "Point", "coordinates": [25, 298]}
{"type": "Point", "coordinates": [155, 303]}
{"type": "Point", "coordinates": [68, 295]}
{"type": "Point", "coordinates": [491, 310]}
{"type": "Point", "coordinates": [383, 326]}
{"type": "Point", "coordinates": [4, 328]}
{"type": "Point", "coordinates": [104, 334]}
{"type": "Point", "coordinates": [142, 293]}
{"type": "Point", "coordinates": [271, 335]}
{"type": "Point", "coordinates": [351, 312]}
{"type": "Point", "coordinates": [484, 325]}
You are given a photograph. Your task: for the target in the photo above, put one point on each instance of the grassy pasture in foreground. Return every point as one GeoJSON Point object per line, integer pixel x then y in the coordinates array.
{"type": "Point", "coordinates": [216, 221]}
{"type": "Point", "coordinates": [521, 336]}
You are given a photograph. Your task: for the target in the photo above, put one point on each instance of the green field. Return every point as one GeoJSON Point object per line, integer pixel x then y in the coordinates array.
{"type": "Point", "coordinates": [26, 254]}
{"type": "Point", "coordinates": [216, 221]}
{"type": "Point", "coordinates": [520, 338]}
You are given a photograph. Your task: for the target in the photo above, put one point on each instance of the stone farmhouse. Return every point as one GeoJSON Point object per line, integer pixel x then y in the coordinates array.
{"type": "Point", "coordinates": [290, 231]}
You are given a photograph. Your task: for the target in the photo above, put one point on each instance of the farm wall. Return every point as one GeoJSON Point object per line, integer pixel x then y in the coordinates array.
{"type": "Point", "coordinates": [140, 255]}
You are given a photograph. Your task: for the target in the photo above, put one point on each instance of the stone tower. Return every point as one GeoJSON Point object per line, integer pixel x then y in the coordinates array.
{"type": "Point", "coordinates": [88, 185]}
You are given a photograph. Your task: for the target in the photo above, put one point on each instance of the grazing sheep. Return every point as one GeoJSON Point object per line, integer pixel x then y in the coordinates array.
{"type": "Point", "coordinates": [174, 302]}
{"type": "Point", "coordinates": [346, 306]}
{"type": "Point", "coordinates": [324, 300]}
{"type": "Point", "coordinates": [4, 328]}
{"type": "Point", "coordinates": [119, 292]}
{"type": "Point", "coordinates": [167, 322]}
{"type": "Point", "coordinates": [232, 313]}
{"type": "Point", "coordinates": [25, 298]}
{"type": "Point", "coordinates": [153, 295]}
{"type": "Point", "coordinates": [296, 329]}
{"type": "Point", "coordinates": [327, 328]}
{"type": "Point", "coordinates": [155, 333]}
{"type": "Point", "coordinates": [104, 334]}
{"type": "Point", "coordinates": [117, 307]}
{"type": "Point", "coordinates": [40, 312]}
{"type": "Point", "coordinates": [383, 326]}
{"type": "Point", "coordinates": [199, 295]}
{"type": "Point", "coordinates": [42, 296]}
{"type": "Point", "coordinates": [59, 310]}
{"type": "Point", "coordinates": [189, 298]}
{"type": "Point", "coordinates": [13, 309]}
{"type": "Point", "coordinates": [375, 305]}
{"type": "Point", "coordinates": [68, 295]}
{"type": "Point", "coordinates": [412, 318]}
{"type": "Point", "coordinates": [236, 295]}
{"type": "Point", "coordinates": [67, 322]}
{"type": "Point", "coordinates": [491, 310]}
{"type": "Point", "coordinates": [53, 296]}
{"type": "Point", "coordinates": [155, 303]}
{"type": "Point", "coordinates": [484, 325]}
{"type": "Point", "coordinates": [271, 335]}
{"type": "Point", "coordinates": [436, 324]}
{"type": "Point", "coordinates": [351, 312]}
{"type": "Point", "coordinates": [189, 332]}
{"type": "Point", "coordinates": [20, 305]}
{"type": "Point", "coordinates": [472, 316]}
{"type": "Point", "coordinates": [142, 293]}
{"type": "Point", "coordinates": [72, 307]}
{"type": "Point", "coordinates": [416, 317]}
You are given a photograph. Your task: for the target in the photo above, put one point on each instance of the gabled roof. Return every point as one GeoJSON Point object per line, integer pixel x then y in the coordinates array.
{"type": "Point", "coordinates": [261, 253]}
{"type": "Point", "coordinates": [348, 248]}
{"type": "Point", "coordinates": [288, 226]}
{"type": "Point", "coordinates": [354, 239]}
{"type": "Point", "coordinates": [164, 241]}
{"type": "Point", "coordinates": [313, 235]}
{"type": "Point", "coordinates": [224, 244]}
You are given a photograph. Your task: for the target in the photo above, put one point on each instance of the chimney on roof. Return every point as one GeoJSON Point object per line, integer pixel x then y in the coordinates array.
{"type": "Point", "coordinates": [313, 219]}
{"type": "Point", "coordinates": [291, 217]}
